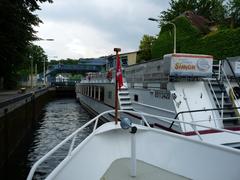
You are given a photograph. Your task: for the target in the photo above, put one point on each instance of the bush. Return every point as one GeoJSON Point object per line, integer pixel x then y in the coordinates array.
{"type": "Point", "coordinates": [221, 44]}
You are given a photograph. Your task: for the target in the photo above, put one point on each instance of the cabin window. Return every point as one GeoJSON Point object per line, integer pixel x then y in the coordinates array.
{"type": "Point", "coordinates": [124, 61]}
{"type": "Point", "coordinates": [163, 86]}
{"type": "Point", "coordinates": [109, 94]}
{"type": "Point", "coordinates": [102, 94]}
{"type": "Point", "coordinates": [145, 85]}
{"type": "Point", "coordinates": [136, 97]}
{"type": "Point", "coordinates": [92, 92]}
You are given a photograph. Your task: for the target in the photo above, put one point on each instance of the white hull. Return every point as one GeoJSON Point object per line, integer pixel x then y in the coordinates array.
{"type": "Point", "coordinates": [188, 96]}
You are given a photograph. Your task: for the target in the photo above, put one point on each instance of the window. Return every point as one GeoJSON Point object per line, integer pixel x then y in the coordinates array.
{"type": "Point", "coordinates": [102, 94]}
{"type": "Point", "coordinates": [109, 94]}
{"type": "Point", "coordinates": [124, 60]}
{"type": "Point", "coordinates": [136, 97]}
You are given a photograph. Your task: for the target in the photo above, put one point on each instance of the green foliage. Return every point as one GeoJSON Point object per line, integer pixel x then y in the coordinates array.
{"type": "Point", "coordinates": [145, 48]}
{"type": "Point", "coordinates": [63, 61]}
{"type": "Point", "coordinates": [16, 22]}
{"type": "Point", "coordinates": [185, 33]}
{"type": "Point", "coordinates": [234, 12]}
{"type": "Point", "coordinates": [211, 9]}
{"type": "Point", "coordinates": [221, 44]}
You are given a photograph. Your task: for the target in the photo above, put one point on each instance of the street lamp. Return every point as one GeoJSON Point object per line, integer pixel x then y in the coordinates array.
{"type": "Point", "coordinates": [44, 72]}
{"type": "Point", "coordinates": [44, 69]}
{"type": "Point", "coordinates": [175, 32]}
{"type": "Point", "coordinates": [41, 39]}
{"type": "Point", "coordinates": [44, 62]}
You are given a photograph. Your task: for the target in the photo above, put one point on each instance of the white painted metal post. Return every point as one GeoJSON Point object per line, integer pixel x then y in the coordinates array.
{"type": "Point", "coordinates": [44, 72]}
{"type": "Point", "coordinates": [91, 89]}
{"type": "Point", "coordinates": [99, 92]}
{"type": "Point", "coordinates": [94, 91]}
{"type": "Point", "coordinates": [222, 105]}
{"type": "Point", "coordinates": [219, 70]}
{"type": "Point", "coordinates": [31, 72]}
{"type": "Point", "coordinates": [133, 155]}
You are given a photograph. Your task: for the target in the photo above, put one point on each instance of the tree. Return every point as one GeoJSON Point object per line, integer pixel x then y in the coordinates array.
{"type": "Point", "coordinates": [177, 7]}
{"type": "Point", "coordinates": [211, 9]}
{"type": "Point", "coordinates": [16, 33]}
{"type": "Point", "coordinates": [35, 54]}
{"type": "Point", "coordinates": [145, 48]}
{"type": "Point", "coordinates": [234, 12]}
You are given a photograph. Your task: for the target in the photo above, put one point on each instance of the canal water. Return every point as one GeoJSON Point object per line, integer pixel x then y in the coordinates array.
{"type": "Point", "coordinates": [59, 119]}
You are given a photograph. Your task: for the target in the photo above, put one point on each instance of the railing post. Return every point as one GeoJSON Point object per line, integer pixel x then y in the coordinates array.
{"type": "Point", "coordinates": [133, 155]}
{"type": "Point", "coordinates": [219, 70]}
{"type": "Point", "coordinates": [222, 104]}
{"type": "Point", "coordinates": [95, 125]}
{"type": "Point", "coordinates": [72, 145]}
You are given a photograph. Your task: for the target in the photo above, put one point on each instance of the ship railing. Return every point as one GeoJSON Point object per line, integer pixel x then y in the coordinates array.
{"type": "Point", "coordinates": [216, 99]}
{"type": "Point", "coordinates": [154, 107]}
{"type": "Point", "coordinates": [229, 84]}
{"type": "Point", "coordinates": [205, 110]}
{"type": "Point", "coordinates": [95, 78]}
{"type": "Point", "coordinates": [95, 121]}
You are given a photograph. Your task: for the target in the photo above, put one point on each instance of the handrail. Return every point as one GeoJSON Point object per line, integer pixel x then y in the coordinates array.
{"type": "Point", "coordinates": [230, 66]}
{"type": "Point", "coordinates": [226, 118]}
{"type": "Point", "coordinates": [229, 85]}
{"type": "Point", "coordinates": [201, 110]}
{"type": "Point", "coordinates": [74, 134]}
{"type": "Point", "coordinates": [154, 107]}
{"type": "Point", "coordinates": [215, 97]}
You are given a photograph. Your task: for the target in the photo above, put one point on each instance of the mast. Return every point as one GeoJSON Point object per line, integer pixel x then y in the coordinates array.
{"type": "Point", "coordinates": [116, 86]}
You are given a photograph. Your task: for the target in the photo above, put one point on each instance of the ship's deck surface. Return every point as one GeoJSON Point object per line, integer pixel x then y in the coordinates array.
{"type": "Point", "coordinates": [120, 169]}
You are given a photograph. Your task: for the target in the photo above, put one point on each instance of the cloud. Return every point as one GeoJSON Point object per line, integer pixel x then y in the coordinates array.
{"type": "Point", "coordinates": [92, 28]}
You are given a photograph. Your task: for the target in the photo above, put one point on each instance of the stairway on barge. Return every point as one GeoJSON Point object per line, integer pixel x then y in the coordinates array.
{"type": "Point", "coordinates": [218, 90]}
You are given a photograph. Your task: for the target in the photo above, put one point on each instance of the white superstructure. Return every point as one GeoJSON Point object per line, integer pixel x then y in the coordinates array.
{"type": "Point", "coordinates": [183, 86]}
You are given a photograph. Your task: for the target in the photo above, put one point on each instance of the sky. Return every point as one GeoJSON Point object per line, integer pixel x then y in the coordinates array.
{"type": "Point", "coordinates": [93, 28]}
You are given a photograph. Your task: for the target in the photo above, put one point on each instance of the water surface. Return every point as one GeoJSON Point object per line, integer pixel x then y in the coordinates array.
{"type": "Point", "coordinates": [59, 119]}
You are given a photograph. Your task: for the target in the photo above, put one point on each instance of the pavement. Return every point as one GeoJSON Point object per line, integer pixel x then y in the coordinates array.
{"type": "Point", "coordinates": [7, 95]}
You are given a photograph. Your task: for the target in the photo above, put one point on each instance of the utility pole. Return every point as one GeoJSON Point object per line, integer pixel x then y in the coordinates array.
{"type": "Point", "coordinates": [44, 72]}
{"type": "Point", "coordinates": [35, 69]}
{"type": "Point", "coordinates": [175, 32]}
{"type": "Point", "coordinates": [31, 71]}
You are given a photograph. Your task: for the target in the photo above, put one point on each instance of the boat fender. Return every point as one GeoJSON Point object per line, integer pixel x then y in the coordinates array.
{"type": "Point", "coordinates": [133, 130]}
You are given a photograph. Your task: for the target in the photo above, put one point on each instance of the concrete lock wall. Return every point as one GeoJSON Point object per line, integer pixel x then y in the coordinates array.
{"type": "Point", "coordinates": [16, 122]}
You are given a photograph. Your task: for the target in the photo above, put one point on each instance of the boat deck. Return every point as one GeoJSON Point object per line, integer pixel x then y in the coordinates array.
{"type": "Point", "coordinates": [120, 169]}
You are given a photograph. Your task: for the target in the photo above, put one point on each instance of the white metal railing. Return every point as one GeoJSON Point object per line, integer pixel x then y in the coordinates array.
{"type": "Point", "coordinates": [226, 118]}
{"type": "Point", "coordinates": [154, 107]}
{"type": "Point", "coordinates": [229, 84]}
{"type": "Point", "coordinates": [219, 69]}
{"type": "Point", "coordinates": [95, 121]}
{"type": "Point", "coordinates": [215, 97]}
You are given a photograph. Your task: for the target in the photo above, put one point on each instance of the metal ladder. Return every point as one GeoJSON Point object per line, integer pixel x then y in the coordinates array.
{"type": "Point", "coordinates": [221, 98]}
{"type": "Point", "coordinates": [124, 99]}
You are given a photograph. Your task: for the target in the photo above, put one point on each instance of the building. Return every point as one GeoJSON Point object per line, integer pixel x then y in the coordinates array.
{"type": "Point", "coordinates": [127, 59]}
